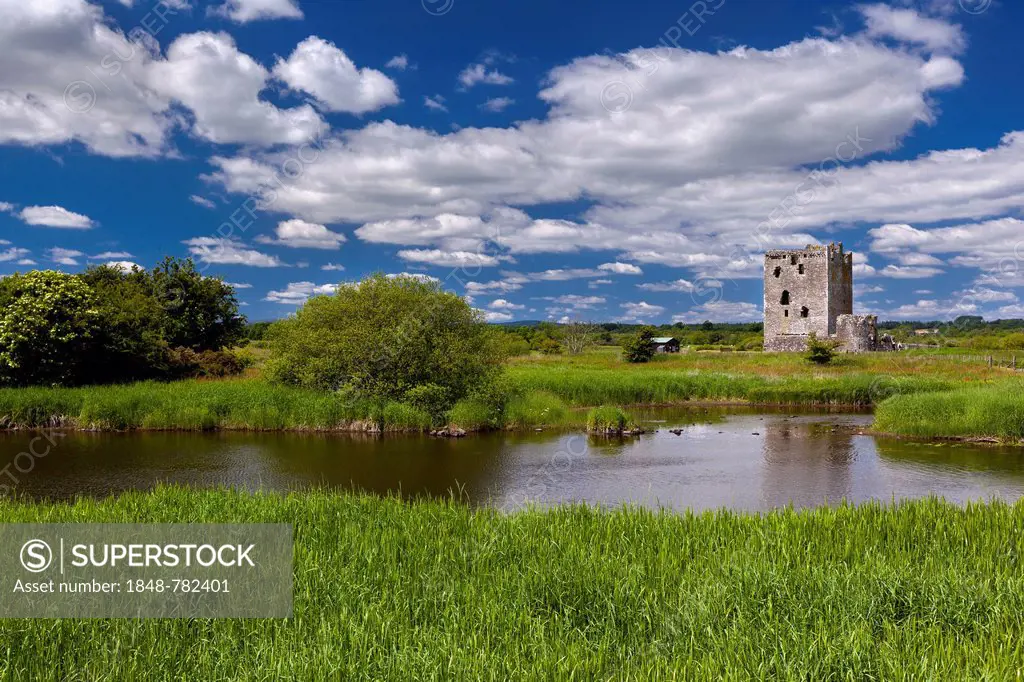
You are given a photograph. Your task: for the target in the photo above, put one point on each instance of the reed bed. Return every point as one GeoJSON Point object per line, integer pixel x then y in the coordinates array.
{"type": "Point", "coordinates": [607, 419]}
{"type": "Point", "coordinates": [588, 386]}
{"type": "Point", "coordinates": [386, 589]}
{"type": "Point", "coordinates": [995, 411]}
{"type": "Point", "coordinates": [249, 404]}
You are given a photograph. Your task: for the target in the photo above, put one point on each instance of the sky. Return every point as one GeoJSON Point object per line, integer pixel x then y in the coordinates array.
{"type": "Point", "coordinates": [588, 160]}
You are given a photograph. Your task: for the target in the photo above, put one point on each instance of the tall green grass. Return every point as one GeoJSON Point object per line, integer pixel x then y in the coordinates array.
{"type": "Point", "coordinates": [436, 590]}
{"type": "Point", "coordinates": [992, 411]}
{"type": "Point", "coordinates": [534, 396]}
{"type": "Point", "coordinates": [537, 408]}
{"type": "Point", "coordinates": [607, 419]}
{"type": "Point", "coordinates": [196, 405]}
{"type": "Point", "coordinates": [626, 386]}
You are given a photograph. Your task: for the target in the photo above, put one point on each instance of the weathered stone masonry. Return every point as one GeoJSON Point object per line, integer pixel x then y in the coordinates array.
{"type": "Point", "coordinates": [811, 291]}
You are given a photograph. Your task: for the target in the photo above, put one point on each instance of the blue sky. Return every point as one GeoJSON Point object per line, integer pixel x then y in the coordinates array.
{"type": "Point", "coordinates": [567, 160]}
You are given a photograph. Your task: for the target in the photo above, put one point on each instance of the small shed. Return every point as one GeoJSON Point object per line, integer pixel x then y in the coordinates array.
{"type": "Point", "coordinates": [665, 344]}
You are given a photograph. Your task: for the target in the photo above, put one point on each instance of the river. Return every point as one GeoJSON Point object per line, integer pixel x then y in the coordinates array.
{"type": "Point", "coordinates": [723, 457]}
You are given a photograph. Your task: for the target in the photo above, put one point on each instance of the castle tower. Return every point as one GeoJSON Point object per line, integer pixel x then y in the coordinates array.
{"type": "Point", "coordinates": [805, 291]}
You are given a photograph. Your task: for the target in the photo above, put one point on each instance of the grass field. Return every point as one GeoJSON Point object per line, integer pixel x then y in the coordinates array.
{"type": "Point", "coordinates": [541, 391]}
{"type": "Point", "coordinates": [435, 590]}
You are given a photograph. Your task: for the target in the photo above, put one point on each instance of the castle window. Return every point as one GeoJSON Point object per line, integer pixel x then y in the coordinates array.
{"type": "Point", "coordinates": [778, 271]}
{"type": "Point", "coordinates": [801, 269]}
{"type": "Point", "coordinates": [785, 313]}
{"type": "Point", "coordinates": [785, 298]}
{"type": "Point", "coordinates": [804, 312]}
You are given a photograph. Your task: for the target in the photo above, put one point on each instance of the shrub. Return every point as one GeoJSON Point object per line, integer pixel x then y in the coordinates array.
{"type": "Point", "coordinates": [382, 337]}
{"type": "Point", "coordinates": [512, 345]}
{"type": "Point", "coordinates": [549, 346]}
{"type": "Point", "coordinates": [185, 363]}
{"type": "Point", "coordinates": [487, 406]}
{"type": "Point", "coordinates": [639, 347]}
{"type": "Point", "coordinates": [820, 352]}
{"type": "Point", "coordinates": [430, 398]}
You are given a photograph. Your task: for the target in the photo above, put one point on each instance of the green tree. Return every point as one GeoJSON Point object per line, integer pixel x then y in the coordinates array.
{"type": "Point", "coordinates": [256, 331]}
{"type": "Point", "coordinates": [130, 342]}
{"type": "Point", "coordinates": [820, 352]}
{"type": "Point", "coordinates": [639, 347]}
{"type": "Point", "coordinates": [384, 337]}
{"type": "Point", "coordinates": [202, 312]}
{"type": "Point", "coordinates": [49, 322]}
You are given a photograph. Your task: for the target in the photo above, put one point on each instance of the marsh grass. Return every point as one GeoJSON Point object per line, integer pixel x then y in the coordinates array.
{"type": "Point", "coordinates": [194, 405]}
{"type": "Point", "coordinates": [586, 386]}
{"type": "Point", "coordinates": [386, 589]}
{"type": "Point", "coordinates": [989, 411]}
{"type": "Point", "coordinates": [607, 419]}
{"type": "Point", "coordinates": [537, 408]}
{"type": "Point", "coordinates": [534, 392]}
{"type": "Point", "coordinates": [475, 415]}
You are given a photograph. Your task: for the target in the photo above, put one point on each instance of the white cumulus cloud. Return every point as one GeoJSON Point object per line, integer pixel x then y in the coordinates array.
{"type": "Point", "coordinates": [244, 11]}
{"type": "Point", "coordinates": [318, 67]}
{"type": "Point", "coordinates": [229, 252]}
{"type": "Point", "coordinates": [299, 234]}
{"type": "Point", "coordinates": [55, 216]}
{"type": "Point", "coordinates": [297, 293]}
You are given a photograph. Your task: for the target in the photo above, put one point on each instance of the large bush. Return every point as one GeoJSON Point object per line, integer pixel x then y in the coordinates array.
{"type": "Point", "coordinates": [49, 323]}
{"type": "Point", "coordinates": [386, 338]}
{"type": "Point", "coordinates": [111, 325]}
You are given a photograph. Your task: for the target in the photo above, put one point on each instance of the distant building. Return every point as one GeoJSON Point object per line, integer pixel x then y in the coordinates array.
{"type": "Point", "coordinates": [810, 291]}
{"type": "Point", "coordinates": [925, 332]}
{"type": "Point", "coordinates": [665, 344]}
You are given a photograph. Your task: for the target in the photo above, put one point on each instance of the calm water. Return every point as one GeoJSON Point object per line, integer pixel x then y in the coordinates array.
{"type": "Point", "coordinates": [722, 458]}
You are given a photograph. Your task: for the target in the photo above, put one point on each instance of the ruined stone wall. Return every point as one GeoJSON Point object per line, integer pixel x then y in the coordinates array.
{"type": "Point", "coordinates": [840, 285]}
{"type": "Point", "coordinates": [857, 333]}
{"type": "Point", "coordinates": [785, 344]}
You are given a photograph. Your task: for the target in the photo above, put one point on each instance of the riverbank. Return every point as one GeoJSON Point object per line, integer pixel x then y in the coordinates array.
{"type": "Point", "coordinates": [435, 590]}
{"type": "Point", "coordinates": [551, 392]}
{"type": "Point", "coordinates": [532, 398]}
{"type": "Point", "coordinates": [993, 413]}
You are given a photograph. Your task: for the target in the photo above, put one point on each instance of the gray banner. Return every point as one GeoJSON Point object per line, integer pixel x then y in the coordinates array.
{"type": "Point", "coordinates": [145, 570]}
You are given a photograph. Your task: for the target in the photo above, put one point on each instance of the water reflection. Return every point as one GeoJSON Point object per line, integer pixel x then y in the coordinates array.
{"type": "Point", "coordinates": [696, 459]}
{"type": "Point", "coordinates": [807, 461]}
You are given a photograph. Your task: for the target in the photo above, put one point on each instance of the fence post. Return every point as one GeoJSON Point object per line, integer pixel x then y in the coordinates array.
{"type": "Point", "coordinates": [1013, 362]}
{"type": "Point", "coordinates": [990, 362]}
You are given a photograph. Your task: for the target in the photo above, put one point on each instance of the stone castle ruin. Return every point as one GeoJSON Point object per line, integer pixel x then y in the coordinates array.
{"type": "Point", "coordinates": [811, 291]}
